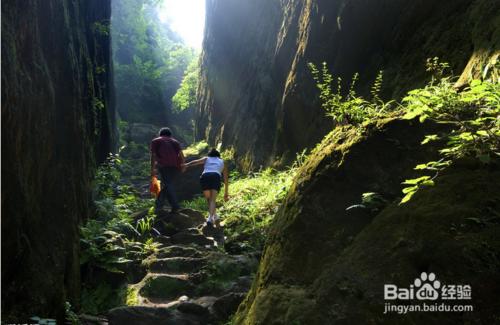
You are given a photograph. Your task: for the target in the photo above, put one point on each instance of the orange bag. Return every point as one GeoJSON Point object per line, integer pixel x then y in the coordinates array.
{"type": "Point", "coordinates": [154, 187]}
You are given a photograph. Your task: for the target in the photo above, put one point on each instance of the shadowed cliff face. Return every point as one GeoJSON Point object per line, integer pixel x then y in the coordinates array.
{"type": "Point", "coordinates": [256, 92]}
{"type": "Point", "coordinates": [325, 263]}
{"type": "Point", "coordinates": [57, 122]}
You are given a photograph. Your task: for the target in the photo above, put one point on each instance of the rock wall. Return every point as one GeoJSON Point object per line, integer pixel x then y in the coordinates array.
{"type": "Point", "coordinates": [257, 94]}
{"type": "Point", "coordinates": [57, 123]}
{"type": "Point", "coordinates": [325, 263]}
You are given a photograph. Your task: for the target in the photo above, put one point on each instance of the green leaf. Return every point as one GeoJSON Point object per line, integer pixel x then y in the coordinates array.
{"type": "Point", "coordinates": [475, 83]}
{"type": "Point", "coordinates": [427, 183]}
{"type": "Point", "coordinates": [429, 138]}
{"type": "Point", "coordinates": [407, 190]}
{"type": "Point", "coordinates": [423, 117]}
{"type": "Point", "coordinates": [421, 167]}
{"type": "Point", "coordinates": [407, 197]}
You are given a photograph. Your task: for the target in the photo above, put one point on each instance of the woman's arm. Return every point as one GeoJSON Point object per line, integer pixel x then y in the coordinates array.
{"type": "Point", "coordinates": [226, 183]}
{"type": "Point", "coordinates": [196, 162]}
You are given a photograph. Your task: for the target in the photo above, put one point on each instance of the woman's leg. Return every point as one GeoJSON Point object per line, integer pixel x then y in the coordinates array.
{"type": "Point", "coordinates": [213, 203]}
{"type": "Point", "coordinates": [207, 194]}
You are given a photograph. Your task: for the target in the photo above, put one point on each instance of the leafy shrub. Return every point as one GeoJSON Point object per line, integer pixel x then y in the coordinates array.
{"type": "Point", "coordinates": [185, 97]}
{"type": "Point", "coordinates": [474, 117]}
{"type": "Point", "coordinates": [196, 149]}
{"type": "Point", "coordinates": [347, 107]}
{"type": "Point", "coordinates": [107, 239]}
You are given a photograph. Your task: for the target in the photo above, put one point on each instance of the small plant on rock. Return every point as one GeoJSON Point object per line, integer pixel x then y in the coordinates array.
{"type": "Point", "coordinates": [472, 114]}
{"type": "Point", "coordinates": [348, 107]}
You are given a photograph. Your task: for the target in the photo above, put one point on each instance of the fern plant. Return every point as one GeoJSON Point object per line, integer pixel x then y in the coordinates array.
{"type": "Point", "coordinates": [349, 108]}
{"type": "Point", "coordinates": [474, 117]}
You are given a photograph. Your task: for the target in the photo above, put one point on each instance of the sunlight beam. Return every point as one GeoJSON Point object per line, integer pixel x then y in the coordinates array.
{"type": "Point", "coordinates": [186, 17]}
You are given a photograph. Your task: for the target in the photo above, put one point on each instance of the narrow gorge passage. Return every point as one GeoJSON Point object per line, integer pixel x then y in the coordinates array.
{"type": "Point", "coordinates": [360, 139]}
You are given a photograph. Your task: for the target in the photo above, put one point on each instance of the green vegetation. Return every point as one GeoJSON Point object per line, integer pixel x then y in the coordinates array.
{"type": "Point", "coordinates": [70, 315]}
{"type": "Point", "coordinates": [149, 61]}
{"type": "Point", "coordinates": [348, 107]}
{"type": "Point", "coordinates": [254, 200]}
{"type": "Point", "coordinates": [132, 296]}
{"type": "Point", "coordinates": [196, 149]}
{"type": "Point", "coordinates": [221, 273]}
{"type": "Point", "coordinates": [472, 115]}
{"type": "Point", "coordinates": [110, 241]}
{"type": "Point", "coordinates": [185, 97]}
{"type": "Point", "coordinates": [101, 297]}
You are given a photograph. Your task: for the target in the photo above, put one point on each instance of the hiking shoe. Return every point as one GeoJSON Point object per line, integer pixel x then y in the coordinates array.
{"type": "Point", "coordinates": [210, 220]}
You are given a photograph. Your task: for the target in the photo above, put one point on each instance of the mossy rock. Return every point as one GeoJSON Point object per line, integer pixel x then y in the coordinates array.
{"type": "Point", "coordinates": [223, 273]}
{"type": "Point", "coordinates": [174, 250]}
{"type": "Point", "coordinates": [322, 265]}
{"type": "Point", "coordinates": [176, 265]}
{"type": "Point", "coordinates": [165, 286]}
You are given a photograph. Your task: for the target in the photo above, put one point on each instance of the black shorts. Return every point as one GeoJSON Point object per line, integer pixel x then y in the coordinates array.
{"type": "Point", "coordinates": [210, 181]}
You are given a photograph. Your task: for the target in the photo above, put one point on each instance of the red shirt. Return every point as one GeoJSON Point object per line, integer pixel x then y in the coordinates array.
{"type": "Point", "coordinates": [167, 151]}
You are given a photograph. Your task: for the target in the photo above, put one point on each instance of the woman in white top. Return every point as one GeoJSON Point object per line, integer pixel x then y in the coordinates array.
{"type": "Point", "coordinates": [210, 180]}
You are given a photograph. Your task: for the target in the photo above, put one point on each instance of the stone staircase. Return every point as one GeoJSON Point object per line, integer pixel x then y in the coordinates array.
{"type": "Point", "coordinates": [189, 280]}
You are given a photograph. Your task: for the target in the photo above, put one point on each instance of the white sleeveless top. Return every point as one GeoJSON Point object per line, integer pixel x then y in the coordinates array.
{"type": "Point", "coordinates": [213, 165]}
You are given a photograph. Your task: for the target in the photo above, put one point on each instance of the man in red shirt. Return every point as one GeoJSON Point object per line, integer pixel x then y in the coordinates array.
{"type": "Point", "coordinates": [167, 156]}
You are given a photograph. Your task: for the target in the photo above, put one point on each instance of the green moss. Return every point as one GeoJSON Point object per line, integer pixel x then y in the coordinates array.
{"type": "Point", "coordinates": [132, 298]}
{"type": "Point", "coordinates": [280, 304]}
{"type": "Point", "coordinates": [312, 229]}
{"type": "Point", "coordinates": [163, 286]}
{"type": "Point", "coordinates": [221, 273]}
{"type": "Point", "coordinates": [196, 149]}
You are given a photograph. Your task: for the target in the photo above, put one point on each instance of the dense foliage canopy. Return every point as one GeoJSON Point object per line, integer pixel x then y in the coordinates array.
{"type": "Point", "coordinates": [149, 61]}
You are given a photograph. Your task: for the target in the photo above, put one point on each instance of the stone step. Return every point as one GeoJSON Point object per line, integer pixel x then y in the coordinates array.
{"type": "Point", "coordinates": [186, 238]}
{"type": "Point", "coordinates": [147, 315]}
{"type": "Point", "coordinates": [176, 265]}
{"type": "Point", "coordinates": [184, 219]}
{"type": "Point", "coordinates": [165, 286]}
{"type": "Point", "coordinates": [175, 250]}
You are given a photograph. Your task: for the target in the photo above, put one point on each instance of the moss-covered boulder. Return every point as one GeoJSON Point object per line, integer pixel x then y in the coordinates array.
{"type": "Point", "coordinates": [164, 286]}
{"type": "Point", "coordinates": [325, 264]}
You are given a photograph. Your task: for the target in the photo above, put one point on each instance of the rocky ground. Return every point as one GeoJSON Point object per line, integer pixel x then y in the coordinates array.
{"type": "Point", "coordinates": [190, 279]}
